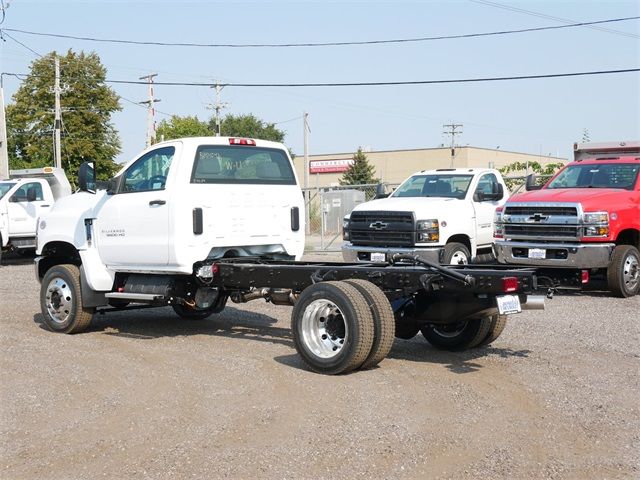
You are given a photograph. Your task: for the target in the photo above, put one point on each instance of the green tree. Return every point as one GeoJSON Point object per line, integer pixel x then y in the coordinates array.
{"type": "Point", "coordinates": [541, 171]}
{"type": "Point", "coordinates": [180, 127]}
{"type": "Point", "coordinates": [87, 104]}
{"type": "Point", "coordinates": [247, 126]}
{"type": "Point", "coordinates": [360, 172]}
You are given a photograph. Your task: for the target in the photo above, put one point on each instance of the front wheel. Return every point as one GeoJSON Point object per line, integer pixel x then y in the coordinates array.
{"type": "Point", "coordinates": [61, 300]}
{"type": "Point", "coordinates": [455, 254]}
{"type": "Point", "coordinates": [458, 336]}
{"type": "Point", "coordinates": [623, 274]}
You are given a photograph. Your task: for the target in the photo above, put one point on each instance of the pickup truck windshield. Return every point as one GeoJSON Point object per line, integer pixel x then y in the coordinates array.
{"type": "Point", "coordinates": [5, 187]}
{"type": "Point", "coordinates": [606, 175]}
{"type": "Point", "coordinates": [451, 186]}
{"type": "Point", "coordinates": [242, 165]}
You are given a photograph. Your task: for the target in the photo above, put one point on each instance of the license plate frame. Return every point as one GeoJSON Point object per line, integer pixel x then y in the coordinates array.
{"type": "Point", "coordinates": [378, 257]}
{"type": "Point", "coordinates": [537, 253]}
{"type": "Point", "coordinates": [508, 304]}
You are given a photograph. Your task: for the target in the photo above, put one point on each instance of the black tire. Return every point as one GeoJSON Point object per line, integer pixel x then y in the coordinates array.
{"type": "Point", "coordinates": [61, 300]}
{"type": "Point", "coordinates": [455, 253]}
{"type": "Point", "coordinates": [458, 336]}
{"type": "Point", "coordinates": [332, 327]}
{"type": "Point", "coordinates": [383, 321]}
{"type": "Point", "coordinates": [498, 322]}
{"type": "Point", "coordinates": [188, 313]}
{"type": "Point", "coordinates": [623, 274]}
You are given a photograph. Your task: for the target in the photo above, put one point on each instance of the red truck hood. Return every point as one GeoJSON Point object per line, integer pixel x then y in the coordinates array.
{"type": "Point", "coordinates": [591, 198]}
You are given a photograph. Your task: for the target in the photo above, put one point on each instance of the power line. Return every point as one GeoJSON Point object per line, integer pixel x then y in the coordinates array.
{"type": "Point", "coordinates": [2, 32]}
{"type": "Point", "coordinates": [549, 17]}
{"type": "Point", "coordinates": [378, 84]}
{"type": "Point", "coordinates": [364, 84]}
{"type": "Point", "coordinates": [323, 44]}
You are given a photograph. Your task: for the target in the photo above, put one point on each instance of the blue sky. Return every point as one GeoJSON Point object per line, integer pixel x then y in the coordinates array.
{"type": "Point", "coordinates": [535, 116]}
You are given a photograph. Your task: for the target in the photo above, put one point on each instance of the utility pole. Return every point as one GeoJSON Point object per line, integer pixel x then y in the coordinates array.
{"type": "Point", "coordinates": [57, 155]}
{"type": "Point", "coordinates": [452, 131]}
{"type": "Point", "coordinates": [305, 119]}
{"type": "Point", "coordinates": [151, 112]}
{"type": "Point", "coordinates": [4, 156]}
{"type": "Point", "coordinates": [218, 106]}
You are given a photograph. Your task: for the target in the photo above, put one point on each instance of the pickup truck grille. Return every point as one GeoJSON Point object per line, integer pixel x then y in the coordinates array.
{"type": "Point", "coordinates": [382, 229]}
{"type": "Point", "coordinates": [552, 222]}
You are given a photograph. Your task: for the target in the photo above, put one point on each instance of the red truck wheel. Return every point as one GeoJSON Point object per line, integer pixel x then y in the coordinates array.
{"type": "Point", "coordinates": [623, 274]}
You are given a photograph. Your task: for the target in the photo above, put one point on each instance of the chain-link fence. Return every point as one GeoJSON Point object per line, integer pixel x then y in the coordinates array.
{"type": "Point", "coordinates": [327, 206]}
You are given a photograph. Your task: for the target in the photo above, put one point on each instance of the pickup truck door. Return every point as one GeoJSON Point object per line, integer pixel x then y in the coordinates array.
{"type": "Point", "coordinates": [26, 204]}
{"type": "Point", "coordinates": [485, 209]}
{"type": "Point", "coordinates": [132, 225]}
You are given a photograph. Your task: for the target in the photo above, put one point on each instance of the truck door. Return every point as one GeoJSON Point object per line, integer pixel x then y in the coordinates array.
{"type": "Point", "coordinates": [132, 225]}
{"type": "Point", "coordinates": [485, 208]}
{"type": "Point", "coordinates": [25, 205]}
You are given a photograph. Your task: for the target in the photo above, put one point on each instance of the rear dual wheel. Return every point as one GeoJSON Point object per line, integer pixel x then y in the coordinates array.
{"type": "Point", "coordinates": [466, 334]}
{"type": "Point", "coordinates": [333, 328]}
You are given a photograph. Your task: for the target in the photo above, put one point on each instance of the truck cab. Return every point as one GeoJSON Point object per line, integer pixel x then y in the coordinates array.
{"type": "Point", "coordinates": [25, 196]}
{"type": "Point", "coordinates": [442, 216]}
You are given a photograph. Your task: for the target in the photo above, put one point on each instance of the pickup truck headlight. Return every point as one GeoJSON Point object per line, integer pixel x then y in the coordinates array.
{"type": "Point", "coordinates": [428, 230]}
{"type": "Point", "coordinates": [596, 224]}
{"type": "Point", "coordinates": [498, 227]}
{"type": "Point", "coordinates": [345, 229]}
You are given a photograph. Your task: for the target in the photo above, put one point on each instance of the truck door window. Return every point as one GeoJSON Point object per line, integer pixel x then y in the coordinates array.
{"type": "Point", "coordinates": [4, 188]}
{"type": "Point", "coordinates": [486, 182]}
{"type": "Point", "coordinates": [33, 190]}
{"type": "Point", "coordinates": [149, 172]}
{"type": "Point", "coordinates": [242, 165]}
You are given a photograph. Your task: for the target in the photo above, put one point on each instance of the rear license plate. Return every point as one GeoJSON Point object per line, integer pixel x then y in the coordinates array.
{"type": "Point", "coordinates": [537, 253]}
{"type": "Point", "coordinates": [378, 257]}
{"type": "Point", "coordinates": [508, 304]}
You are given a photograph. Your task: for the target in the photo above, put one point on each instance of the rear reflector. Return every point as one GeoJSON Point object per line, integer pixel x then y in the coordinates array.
{"type": "Point", "coordinates": [242, 141]}
{"type": "Point", "coordinates": [509, 284]}
{"type": "Point", "coordinates": [584, 276]}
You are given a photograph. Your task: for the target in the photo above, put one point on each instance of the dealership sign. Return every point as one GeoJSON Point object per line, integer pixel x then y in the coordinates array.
{"type": "Point", "coordinates": [329, 166]}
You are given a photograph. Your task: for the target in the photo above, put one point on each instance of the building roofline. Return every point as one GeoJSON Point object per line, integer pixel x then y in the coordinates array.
{"type": "Point", "coordinates": [434, 148]}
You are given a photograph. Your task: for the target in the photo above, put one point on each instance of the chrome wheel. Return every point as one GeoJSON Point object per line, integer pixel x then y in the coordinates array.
{"type": "Point", "coordinates": [323, 328]}
{"type": "Point", "coordinates": [59, 297]}
{"type": "Point", "coordinates": [630, 272]}
{"type": "Point", "coordinates": [459, 257]}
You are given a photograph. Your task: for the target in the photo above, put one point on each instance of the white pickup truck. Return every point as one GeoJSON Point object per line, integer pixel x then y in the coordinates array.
{"type": "Point", "coordinates": [442, 216]}
{"type": "Point", "coordinates": [24, 197]}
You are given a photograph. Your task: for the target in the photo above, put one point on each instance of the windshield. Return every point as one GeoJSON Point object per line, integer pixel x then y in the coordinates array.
{"type": "Point", "coordinates": [4, 188]}
{"type": "Point", "coordinates": [606, 175]}
{"type": "Point", "coordinates": [435, 185]}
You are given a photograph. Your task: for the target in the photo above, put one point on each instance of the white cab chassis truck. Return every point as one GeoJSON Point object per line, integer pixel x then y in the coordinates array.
{"type": "Point", "coordinates": [25, 196]}
{"type": "Point", "coordinates": [442, 216]}
{"type": "Point", "coordinates": [193, 223]}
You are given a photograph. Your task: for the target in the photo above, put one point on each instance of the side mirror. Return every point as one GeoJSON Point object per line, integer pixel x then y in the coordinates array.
{"type": "Point", "coordinates": [31, 195]}
{"type": "Point", "coordinates": [479, 196]}
{"type": "Point", "coordinates": [497, 192]}
{"type": "Point", "coordinates": [530, 183]}
{"type": "Point", "coordinates": [87, 177]}
{"type": "Point", "coordinates": [381, 191]}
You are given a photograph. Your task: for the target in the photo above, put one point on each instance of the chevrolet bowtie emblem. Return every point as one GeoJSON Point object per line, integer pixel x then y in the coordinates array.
{"type": "Point", "coordinates": [378, 225]}
{"type": "Point", "coordinates": [538, 217]}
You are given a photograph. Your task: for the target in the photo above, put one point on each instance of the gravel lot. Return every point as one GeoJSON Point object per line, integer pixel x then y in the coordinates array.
{"type": "Point", "coordinates": [144, 394]}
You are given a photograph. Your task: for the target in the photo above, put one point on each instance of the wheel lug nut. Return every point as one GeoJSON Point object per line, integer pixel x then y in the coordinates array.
{"type": "Point", "coordinates": [334, 338]}
{"type": "Point", "coordinates": [335, 348]}
{"type": "Point", "coordinates": [341, 341]}
{"type": "Point", "coordinates": [324, 337]}
{"type": "Point", "coordinates": [322, 319]}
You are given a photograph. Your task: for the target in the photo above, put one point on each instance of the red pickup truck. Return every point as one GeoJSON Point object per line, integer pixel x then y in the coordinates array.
{"type": "Point", "coordinates": [587, 216]}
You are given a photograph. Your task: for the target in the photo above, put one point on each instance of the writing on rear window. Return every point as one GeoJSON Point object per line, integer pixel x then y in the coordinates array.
{"type": "Point", "coordinates": [242, 165]}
